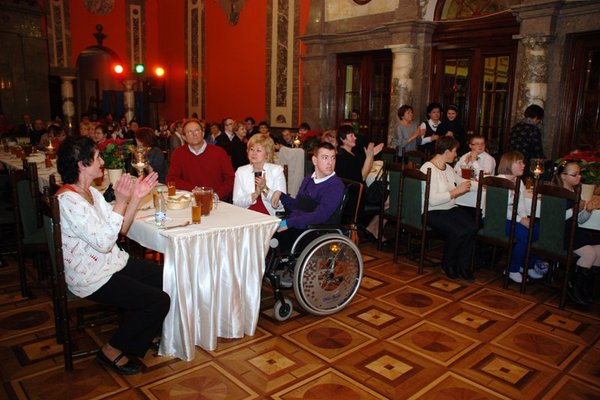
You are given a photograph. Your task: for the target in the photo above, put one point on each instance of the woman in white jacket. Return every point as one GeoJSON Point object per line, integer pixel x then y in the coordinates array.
{"type": "Point", "coordinates": [255, 183]}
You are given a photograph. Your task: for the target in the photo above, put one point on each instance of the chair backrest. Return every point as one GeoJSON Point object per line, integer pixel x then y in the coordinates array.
{"type": "Point", "coordinates": [496, 203]}
{"type": "Point", "coordinates": [413, 158]}
{"type": "Point", "coordinates": [285, 174]}
{"type": "Point", "coordinates": [354, 191]}
{"type": "Point", "coordinates": [388, 155]}
{"type": "Point", "coordinates": [53, 186]}
{"type": "Point", "coordinates": [25, 203]}
{"type": "Point", "coordinates": [414, 202]}
{"type": "Point", "coordinates": [553, 205]}
{"type": "Point", "coordinates": [392, 179]}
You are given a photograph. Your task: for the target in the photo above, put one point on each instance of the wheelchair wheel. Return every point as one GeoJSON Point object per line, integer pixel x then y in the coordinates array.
{"type": "Point", "coordinates": [282, 311]}
{"type": "Point", "coordinates": [327, 274]}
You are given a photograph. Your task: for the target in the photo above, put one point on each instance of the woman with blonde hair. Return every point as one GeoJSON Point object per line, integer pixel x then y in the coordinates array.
{"type": "Point", "coordinates": [512, 167]}
{"type": "Point", "coordinates": [256, 182]}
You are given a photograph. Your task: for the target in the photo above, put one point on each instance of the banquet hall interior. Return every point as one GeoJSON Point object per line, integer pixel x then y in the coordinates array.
{"type": "Point", "coordinates": [405, 335]}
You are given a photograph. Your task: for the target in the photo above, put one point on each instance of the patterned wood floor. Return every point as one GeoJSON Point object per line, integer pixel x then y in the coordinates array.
{"type": "Point", "coordinates": [404, 337]}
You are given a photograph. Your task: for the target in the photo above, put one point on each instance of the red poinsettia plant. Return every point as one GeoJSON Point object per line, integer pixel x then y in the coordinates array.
{"type": "Point", "coordinates": [310, 139]}
{"type": "Point", "coordinates": [589, 162]}
{"type": "Point", "coordinates": [114, 152]}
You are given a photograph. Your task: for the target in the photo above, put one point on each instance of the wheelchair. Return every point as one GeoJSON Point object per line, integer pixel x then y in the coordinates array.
{"type": "Point", "coordinates": [327, 269]}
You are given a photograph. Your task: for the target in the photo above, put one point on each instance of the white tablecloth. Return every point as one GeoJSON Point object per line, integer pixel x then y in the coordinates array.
{"type": "Point", "coordinates": [212, 272]}
{"type": "Point", "coordinates": [469, 199]}
{"type": "Point", "coordinates": [44, 173]}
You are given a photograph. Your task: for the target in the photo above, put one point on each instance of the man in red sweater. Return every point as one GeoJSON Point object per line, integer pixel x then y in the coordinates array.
{"type": "Point", "coordinates": [201, 164]}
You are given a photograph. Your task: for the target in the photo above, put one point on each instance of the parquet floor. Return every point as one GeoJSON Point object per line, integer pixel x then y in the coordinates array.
{"type": "Point", "coordinates": [404, 337]}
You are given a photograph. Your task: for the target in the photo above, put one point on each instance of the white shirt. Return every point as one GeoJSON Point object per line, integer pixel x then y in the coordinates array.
{"type": "Point", "coordinates": [442, 182]}
{"type": "Point", "coordinates": [89, 237]}
{"type": "Point", "coordinates": [484, 162]}
{"type": "Point", "coordinates": [522, 208]}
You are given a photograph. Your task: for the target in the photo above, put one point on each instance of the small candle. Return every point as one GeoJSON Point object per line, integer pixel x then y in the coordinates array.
{"type": "Point", "coordinates": [140, 165]}
{"type": "Point", "coordinates": [297, 142]}
{"type": "Point", "coordinates": [50, 148]}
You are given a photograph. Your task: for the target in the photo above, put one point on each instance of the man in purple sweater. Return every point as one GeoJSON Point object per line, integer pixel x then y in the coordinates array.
{"type": "Point", "coordinates": [318, 199]}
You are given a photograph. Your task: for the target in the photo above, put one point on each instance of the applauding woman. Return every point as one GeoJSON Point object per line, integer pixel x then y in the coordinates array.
{"type": "Point", "coordinates": [255, 183]}
{"type": "Point", "coordinates": [95, 267]}
{"type": "Point", "coordinates": [445, 217]}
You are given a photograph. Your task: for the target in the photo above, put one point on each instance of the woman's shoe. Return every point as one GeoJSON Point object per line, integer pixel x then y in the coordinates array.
{"type": "Point", "coordinates": [450, 273]}
{"type": "Point", "coordinates": [516, 277]}
{"type": "Point", "coordinates": [129, 368]}
{"type": "Point", "coordinates": [466, 275]}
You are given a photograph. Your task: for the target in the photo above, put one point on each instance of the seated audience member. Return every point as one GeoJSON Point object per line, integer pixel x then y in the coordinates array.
{"type": "Point", "coordinates": [121, 129]}
{"type": "Point", "coordinates": [477, 159]}
{"type": "Point", "coordinates": [38, 130]}
{"type": "Point", "coordinates": [263, 127]}
{"type": "Point", "coordinates": [303, 128]}
{"type": "Point", "coordinates": [55, 135]}
{"type": "Point", "coordinates": [407, 131]}
{"type": "Point", "coordinates": [145, 137]}
{"type": "Point", "coordinates": [95, 267]}
{"type": "Point", "coordinates": [351, 166]}
{"type": "Point", "coordinates": [100, 133]}
{"type": "Point", "coordinates": [330, 136]}
{"type": "Point", "coordinates": [133, 126]}
{"type": "Point", "coordinates": [176, 139]}
{"type": "Point", "coordinates": [318, 199]}
{"type": "Point", "coordinates": [256, 182]}
{"type": "Point", "coordinates": [512, 167]}
{"type": "Point", "coordinates": [426, 142]}
{"type": "Point", "coordinates": [239, 146]}
{"type": "Point", "coordinates": [224, 140]}
{"type": "Point", "coordinates": [201, 164]}
{"type": "Point", "coordinates": [568, 176]}
{"type": "Point", "coordinates": [213, 133]}
{"type": "Point", "coordinates": [445, 217]}
{"type": "Point", "coordinates": [86, 129]}
{"type": "Point", "coordinates": [287, 139]}
{"type": "Point", "coordinates": [251, 128]}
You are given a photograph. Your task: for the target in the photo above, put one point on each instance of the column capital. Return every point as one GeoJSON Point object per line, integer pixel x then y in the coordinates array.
{"type": "Point", "coordinates": [129, 83]}
{"type": "Point", "coordinates": [535, 41]}
{"type": "Point", "coordinates": [67, 78]}
{"type": "Point", "coordinates": [402, 48]}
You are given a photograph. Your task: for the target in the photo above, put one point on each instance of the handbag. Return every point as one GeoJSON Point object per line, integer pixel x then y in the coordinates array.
{"type": "Point", "coordinates": [377, 191]}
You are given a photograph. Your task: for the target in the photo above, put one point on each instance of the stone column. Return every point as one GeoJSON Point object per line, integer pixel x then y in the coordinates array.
{"type": "Point", "coordinates": [129, 98]}
{"type": "Point", "coordinates": [68, 100]}
{"type": "Point", "coordinates": [402, 81]}
{"type": "Point", "coordinates": [533, 79]}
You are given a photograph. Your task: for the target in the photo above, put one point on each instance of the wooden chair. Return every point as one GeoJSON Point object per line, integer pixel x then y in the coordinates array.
{"type": "Point", "coordinates": [392, 177]}
{"type": "Point", "coordinates": [494, 227]}
{"type": "Point", "coordinates": [30, 235]}
{"type": "Point", "coordinates": [354, 191]}
{"type": "Point", "coordinates": [413, 158]}
{"type": "Point", "coordinates": [552, 230]}
{"type": "Point", "coordinates": [413, 209]}
{"type": "Point", "coordinates": [388, 155]}
{"type": "Point", "coordinates": [63, 300]}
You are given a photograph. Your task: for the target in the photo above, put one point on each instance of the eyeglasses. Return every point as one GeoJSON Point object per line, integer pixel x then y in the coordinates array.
{"type": "Point", "coordinates": [193, 131]}
{"type": "Point", "coordinates": [573, 175]}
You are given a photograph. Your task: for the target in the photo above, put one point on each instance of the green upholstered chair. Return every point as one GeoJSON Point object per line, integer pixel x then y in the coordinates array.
{"type": "Point", "coordinates": [494, 224]}
{"type": "Point", "coordinates": [552, 230]}
{"type": "Point", "coordinates": [388, 155]}
{"type": "Point", "coordinates": [414, 158]}
{"type": "Point", "coordinates": [30, 235]}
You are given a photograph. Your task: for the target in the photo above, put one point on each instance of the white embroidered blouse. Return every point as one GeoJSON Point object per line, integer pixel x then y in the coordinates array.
{"type": "Point", "coordinates": [89, 237]}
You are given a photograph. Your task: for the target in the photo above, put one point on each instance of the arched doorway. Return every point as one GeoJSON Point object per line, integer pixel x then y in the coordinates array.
{"type": "Point", "coordinates": [473, 66]}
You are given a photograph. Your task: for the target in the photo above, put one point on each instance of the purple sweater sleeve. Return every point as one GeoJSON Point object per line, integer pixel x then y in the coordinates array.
{"type": "Point", "coordinates": [328, 195]}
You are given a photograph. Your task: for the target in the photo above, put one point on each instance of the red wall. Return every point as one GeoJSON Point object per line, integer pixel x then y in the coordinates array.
{"type": "Point", "coordinates": [235, 62]}
{"type": "Point", "coordinates": [83, 27]}
{"type": "Point", "coordinates": [235, 56]}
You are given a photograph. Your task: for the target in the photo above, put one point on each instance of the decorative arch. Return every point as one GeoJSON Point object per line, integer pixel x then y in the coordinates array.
{"type": "Point", "coordinates": [450, 10]}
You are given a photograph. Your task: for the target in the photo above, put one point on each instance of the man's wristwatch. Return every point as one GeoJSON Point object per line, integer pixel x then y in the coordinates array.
{"type": "Point", "coordinates": [265, 191]}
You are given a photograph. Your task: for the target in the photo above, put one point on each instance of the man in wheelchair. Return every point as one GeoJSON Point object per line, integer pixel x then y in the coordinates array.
{"type": "Point", "coordinates": [309, 251]}
{"type": "Point", "coordinates": [318, 199]}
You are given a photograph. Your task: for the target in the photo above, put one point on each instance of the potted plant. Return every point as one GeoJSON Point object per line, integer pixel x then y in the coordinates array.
{"type": "Point", "coordinates": [115, 153]}
{"type": "Point", "coordinates": [310, 139]}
